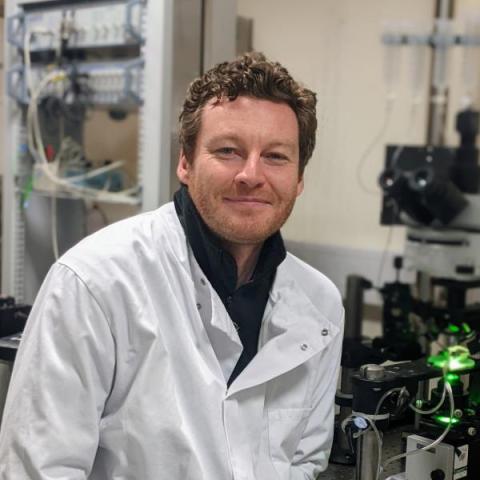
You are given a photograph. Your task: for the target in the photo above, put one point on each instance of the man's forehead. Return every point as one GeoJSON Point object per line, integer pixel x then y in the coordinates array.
{"type": "Point", "coordinates": [276, 114]}
{"type": "Point", "coordinates": [250, 119]}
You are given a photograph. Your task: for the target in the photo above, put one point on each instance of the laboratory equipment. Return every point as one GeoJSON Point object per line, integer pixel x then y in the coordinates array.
{"type": "Point", "coordinates": [422, 372]}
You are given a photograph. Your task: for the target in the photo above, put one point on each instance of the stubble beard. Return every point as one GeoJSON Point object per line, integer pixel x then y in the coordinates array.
{"type": "Point", "coordinates": [237, 229]}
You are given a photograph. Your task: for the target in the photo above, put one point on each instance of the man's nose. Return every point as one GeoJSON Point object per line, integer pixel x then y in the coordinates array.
{"type": "Point", "coordinates": [251, 173]}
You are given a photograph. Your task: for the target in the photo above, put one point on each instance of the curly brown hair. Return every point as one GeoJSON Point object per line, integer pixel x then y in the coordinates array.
{"type": "Point", "coordinates": [252, 75]}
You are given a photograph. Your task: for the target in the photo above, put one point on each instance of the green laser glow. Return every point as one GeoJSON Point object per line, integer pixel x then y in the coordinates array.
{"type": "Point", "coordinates": [466, 328]}
{"type": "Point", "coordinates": [453, 359]}
{"type": "Point", "coordinates": [458, 364]}
{"type": "Point", "coordinates": [452, 378]}
{"type": "Point", "coordinates": [453, 328]}
{"type": "Point", "coordinates": [445, 419]}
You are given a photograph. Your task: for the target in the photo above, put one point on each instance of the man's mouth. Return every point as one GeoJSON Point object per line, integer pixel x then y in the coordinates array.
{"type": "Point", "coordinates": [247, 201]}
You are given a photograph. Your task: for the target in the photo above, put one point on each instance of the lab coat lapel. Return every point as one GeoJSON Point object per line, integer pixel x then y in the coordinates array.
{"type": "Point", "coordinates": [293, 331]}
{"type": "Point", "coordinates": [222, 347]}
{"type": "Point", "coordinates": [223, 336]}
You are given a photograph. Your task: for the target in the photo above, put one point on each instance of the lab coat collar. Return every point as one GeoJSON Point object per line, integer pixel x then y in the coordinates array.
{"type": "Point", "coordinates": [293, 331]}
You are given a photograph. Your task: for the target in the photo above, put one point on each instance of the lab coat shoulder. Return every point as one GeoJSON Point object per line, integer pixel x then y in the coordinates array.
{"type": "Point", "coordinates": [318, 288]}
{"type": "Point", "coordinates": [142, 238]}
{"type": "Point", "coordinates": [123, 263]}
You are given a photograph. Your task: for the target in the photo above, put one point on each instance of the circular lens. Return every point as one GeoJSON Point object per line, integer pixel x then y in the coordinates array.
{"type": "Point", "coordinates": [421, 178]}
{"type": "Point", "coordinates": [388, 179]}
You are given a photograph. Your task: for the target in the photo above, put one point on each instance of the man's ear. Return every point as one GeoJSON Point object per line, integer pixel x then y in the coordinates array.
{"type": "Point", "coordinates": [183, 168]}
{"type": "Point", "coordinates": [300, 186]}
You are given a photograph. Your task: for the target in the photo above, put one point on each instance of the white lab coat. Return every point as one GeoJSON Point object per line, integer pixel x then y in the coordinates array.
{"type": "Point", "coordinates": [122, 371]}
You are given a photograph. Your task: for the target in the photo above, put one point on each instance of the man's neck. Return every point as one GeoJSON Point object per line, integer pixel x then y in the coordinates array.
{"type": "Point", "coordinates": [246, 257]}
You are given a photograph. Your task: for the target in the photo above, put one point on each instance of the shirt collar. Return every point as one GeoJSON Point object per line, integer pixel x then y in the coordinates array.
{"type": "Point", "coordinates": [218, 265]}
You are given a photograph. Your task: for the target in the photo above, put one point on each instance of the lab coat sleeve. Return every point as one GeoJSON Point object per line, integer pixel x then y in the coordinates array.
{"type": "Point", "coordinates": [313, 451]}
{"type": "Point", "coordinates": [61, 379]}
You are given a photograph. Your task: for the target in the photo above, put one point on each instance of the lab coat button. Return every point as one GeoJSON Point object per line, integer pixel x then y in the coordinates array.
{"type": "Point", "coordinates": [202, 281]}
{"type": "Point", "coordinates": [324, 332]}
{"type": "Point", "coordinates": [303, 346]}
{"type": "Point", "coordinates": [199, 306]}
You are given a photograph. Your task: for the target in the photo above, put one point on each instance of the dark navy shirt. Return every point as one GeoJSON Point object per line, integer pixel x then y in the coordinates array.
{"type": "Point", "coordinates": [245, 304]}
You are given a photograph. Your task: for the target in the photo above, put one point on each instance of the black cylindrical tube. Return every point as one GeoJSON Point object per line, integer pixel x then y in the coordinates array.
{"type": "Point", "coordinates": [356, 286]}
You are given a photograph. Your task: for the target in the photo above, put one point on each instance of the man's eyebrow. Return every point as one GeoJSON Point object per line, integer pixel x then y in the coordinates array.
{"type": "Point", "coordinates": [278, 143]}
{"type": "Point", "coordinates": [236, 138]}
{"type": "Point", "coordinates": [221, 137]}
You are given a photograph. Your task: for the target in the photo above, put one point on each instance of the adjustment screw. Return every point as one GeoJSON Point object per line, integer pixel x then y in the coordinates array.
{"type": "Point", "coordinates": [472, 431]}
{"type": "Point", "coordinates": [458, 413]}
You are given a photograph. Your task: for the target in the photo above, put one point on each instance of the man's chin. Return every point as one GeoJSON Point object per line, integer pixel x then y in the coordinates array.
{"type": "Point", "coordinates": [242, 235]}
{"type": "Point", "coordinates": [250, 241]}
{"type": "Point", "coordinates": [241, 228]}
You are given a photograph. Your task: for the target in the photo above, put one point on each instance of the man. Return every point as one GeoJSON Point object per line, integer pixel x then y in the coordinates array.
{"type": "Point", "coordinates": [184, 343]}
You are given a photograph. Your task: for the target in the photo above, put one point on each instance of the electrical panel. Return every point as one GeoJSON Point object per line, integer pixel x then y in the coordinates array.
{"type": "Point", "coordinates": [107, 83]}
{"type": "Point", "coordinates": [126, 62]}
{"type": "Point", "coordinates": [70, 36]}
{"type": "Point", "coordinates": [78, 25]}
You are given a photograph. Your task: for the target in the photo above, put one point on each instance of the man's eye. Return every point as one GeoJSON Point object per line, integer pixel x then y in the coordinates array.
{"type": "Point", "coordinates": [276, 156]}
{"type": "Point", "coordinates": [226, 151]}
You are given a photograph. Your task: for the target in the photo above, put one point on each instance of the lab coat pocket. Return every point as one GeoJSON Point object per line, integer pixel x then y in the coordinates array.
{"type": "Point", "coordinates": [285, 429]}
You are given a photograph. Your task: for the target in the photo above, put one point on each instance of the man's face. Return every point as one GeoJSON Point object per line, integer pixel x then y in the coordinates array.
{"type": "Point", "coordinates": [244, 174]}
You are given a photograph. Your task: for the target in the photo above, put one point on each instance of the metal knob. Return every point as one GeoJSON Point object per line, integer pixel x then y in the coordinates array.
{"type": "Point", "coordinates": [437, 475]}
{"type": "Point", "coordinates": [371, 371]}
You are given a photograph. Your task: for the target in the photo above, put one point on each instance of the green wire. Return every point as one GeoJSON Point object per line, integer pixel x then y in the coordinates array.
{"type": "Point", "coordinates": [27, 191]}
